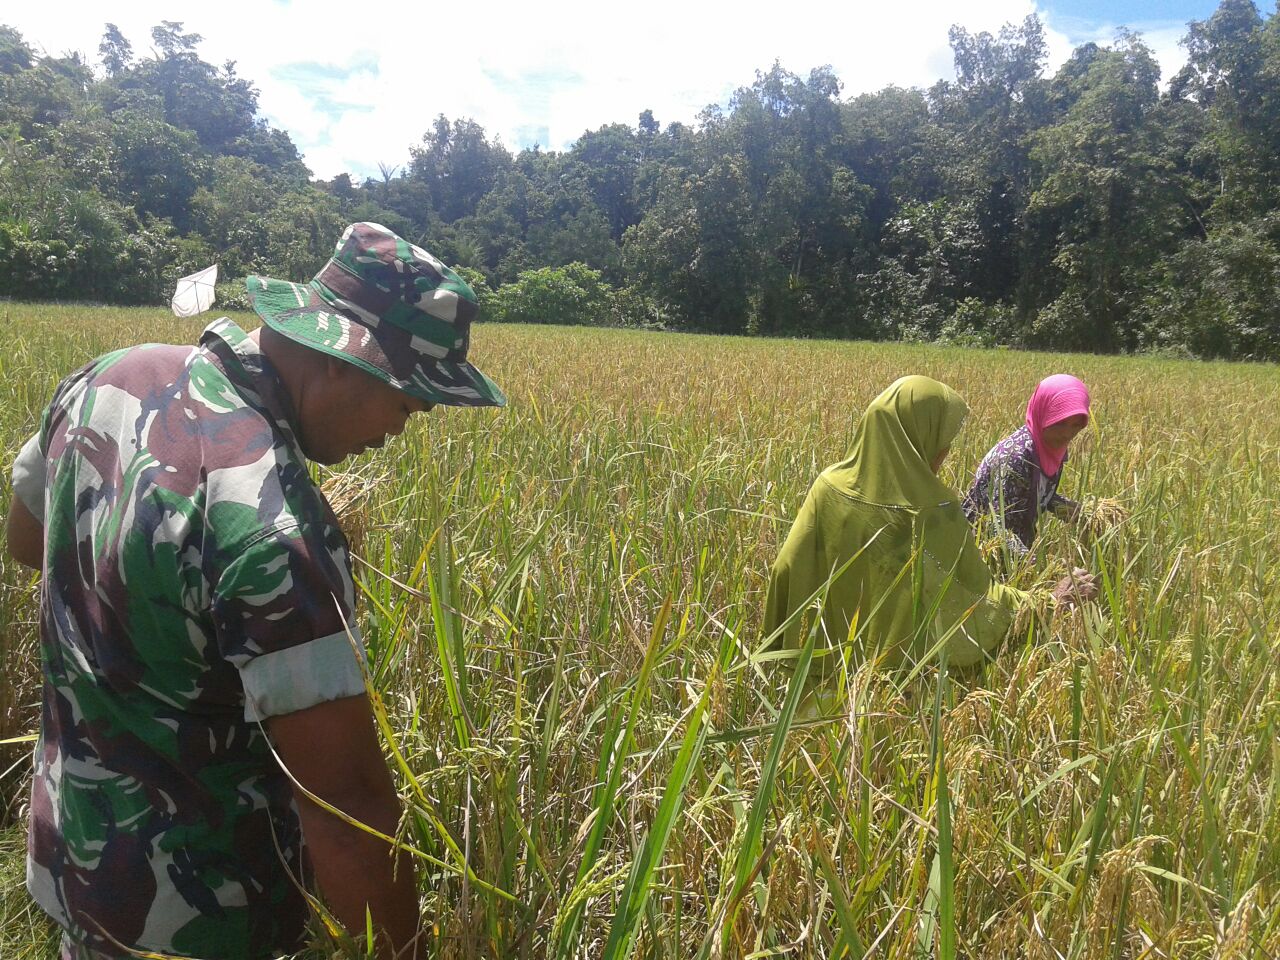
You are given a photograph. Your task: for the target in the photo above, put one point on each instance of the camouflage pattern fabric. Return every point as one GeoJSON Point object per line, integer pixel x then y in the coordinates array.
{"type": "Point", "coordinates": [195, 581]}
{"type": "Point", "coordinates": [390, 308]}
{"type": "Point", "coordinates": [71, 950]}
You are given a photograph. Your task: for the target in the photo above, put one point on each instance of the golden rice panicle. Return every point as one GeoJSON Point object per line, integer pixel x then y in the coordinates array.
{"type": "Point", "coordinates": [1099, 515]}
{"type": "Point", "coordinates": [1020, 936]}
{"type": "Point", "coordinates": [349, 493]}
{"type": "Point", "coordinates": [1125, 896]}
{"type": "Point", "coordinates": [1237, 938]}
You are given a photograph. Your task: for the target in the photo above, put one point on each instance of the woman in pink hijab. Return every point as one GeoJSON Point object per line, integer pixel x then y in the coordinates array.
{"type": "Point", "coordinates": [1017, 480]}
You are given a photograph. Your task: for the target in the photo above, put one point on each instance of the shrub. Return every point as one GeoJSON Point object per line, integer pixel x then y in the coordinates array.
{"type": "Point", "coordinates": [571, 294]}
{"type": "Point", "coordinates": [475, 279]}
{"type": "Point", "coordinates": [231, 295]}
{"type": "Point", "coordinates": [634, 308]}
{"type": "Point", "coordinates": [1064, 324]}
{"type": "Point", "coordinates": [977, 324]}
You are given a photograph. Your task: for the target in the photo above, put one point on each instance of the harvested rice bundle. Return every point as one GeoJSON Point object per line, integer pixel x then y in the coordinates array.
{"type": "Point", "coordinates": [1099, 515]}
{"type": "Point", "coordinates": [348, 493]}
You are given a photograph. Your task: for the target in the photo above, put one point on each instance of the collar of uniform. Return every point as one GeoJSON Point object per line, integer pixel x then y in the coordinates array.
{"type": "Point", "coordinates": [249, 369]}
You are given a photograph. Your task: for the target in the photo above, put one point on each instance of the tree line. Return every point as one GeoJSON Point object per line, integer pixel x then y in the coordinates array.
{"type": "Point", "coordinates": [1084, 209]}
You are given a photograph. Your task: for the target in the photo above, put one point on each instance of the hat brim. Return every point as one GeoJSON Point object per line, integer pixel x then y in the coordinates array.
{"type": "Point", "coordinates": [385, 350]}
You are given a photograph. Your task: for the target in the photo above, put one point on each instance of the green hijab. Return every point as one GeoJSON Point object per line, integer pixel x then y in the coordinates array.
{"type": "Point", "coordinates": [898, 438]}
{"type": "Point", "coordinates": [912, 572]}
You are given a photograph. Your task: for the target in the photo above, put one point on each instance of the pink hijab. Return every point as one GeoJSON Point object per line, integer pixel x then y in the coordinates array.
{"type": "Point", "coordinates": [1056, 398]}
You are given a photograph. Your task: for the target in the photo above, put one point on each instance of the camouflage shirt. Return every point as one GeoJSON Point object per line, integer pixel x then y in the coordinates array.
{"type": "Point", "coordinates": [195, 581]}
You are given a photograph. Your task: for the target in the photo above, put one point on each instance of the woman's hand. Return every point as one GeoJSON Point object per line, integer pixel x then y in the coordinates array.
{"type": "Point", "coordinates": [1068, 511]}
{"type": "Point", "coordinates": [1075, 588]}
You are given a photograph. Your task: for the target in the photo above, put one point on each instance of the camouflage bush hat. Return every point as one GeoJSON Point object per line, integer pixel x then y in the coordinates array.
{"type": "Point", "coordinates": [390, 308]}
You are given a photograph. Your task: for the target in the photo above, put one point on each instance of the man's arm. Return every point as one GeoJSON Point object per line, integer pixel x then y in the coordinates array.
{"type": "Point", "coordinates": [24, 535]}
{"type": "Point", "coordinates": [332, 750]}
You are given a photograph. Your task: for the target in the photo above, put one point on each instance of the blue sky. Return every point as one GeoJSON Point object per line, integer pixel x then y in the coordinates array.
{"type": "Point", "coordinates": [1134, 10]}
{"type": "Point", "coordinates": [356, 91]}
{"type": "Point", "coordinates": [1154, 17]}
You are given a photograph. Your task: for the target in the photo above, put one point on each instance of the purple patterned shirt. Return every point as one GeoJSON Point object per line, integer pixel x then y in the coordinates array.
{"type": "Point", "coordinates": [1011, 489]}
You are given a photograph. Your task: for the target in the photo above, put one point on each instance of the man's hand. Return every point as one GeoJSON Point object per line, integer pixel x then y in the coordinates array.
{"type": "Point", "coordinates": [24, 535]}
{"type": "Point", "coordinates": [332, 750]}
{"type": "Point", "coordinates": [1075, 588]}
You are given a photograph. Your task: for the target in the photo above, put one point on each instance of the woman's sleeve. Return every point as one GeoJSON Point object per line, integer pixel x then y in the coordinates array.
{"type": "Point", "coordinates": [1006, 597]}
{"type": "Point", "coordinates": [974, 624]}
{"type": "Point", "coordinates": [1013, 504]}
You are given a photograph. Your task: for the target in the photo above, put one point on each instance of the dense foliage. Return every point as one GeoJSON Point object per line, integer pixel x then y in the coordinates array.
{"type": "Point", "coordinates": [1088, 209]}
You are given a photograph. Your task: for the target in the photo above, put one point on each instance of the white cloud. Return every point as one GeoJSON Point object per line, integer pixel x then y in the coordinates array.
{"type": "Point", "coordinates": [1163, 37]}
{"type": "Point", "coordinates": [516, 67]}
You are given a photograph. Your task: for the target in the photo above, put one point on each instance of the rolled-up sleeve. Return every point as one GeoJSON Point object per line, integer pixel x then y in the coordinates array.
{"type": "Point", "coordinates": [284, 616]}
{"type": "Point", "coordinates": [29, 473]}
{"type": "Point", "coordinates": [295, 678]}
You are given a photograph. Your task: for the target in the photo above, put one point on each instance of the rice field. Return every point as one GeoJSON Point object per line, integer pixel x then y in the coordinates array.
{"type": "Point", "coordinates": [561, 602]}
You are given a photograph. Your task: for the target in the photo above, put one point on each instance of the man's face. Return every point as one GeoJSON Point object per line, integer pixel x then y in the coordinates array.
{"type": "Point", "coordinates": [351, 411]}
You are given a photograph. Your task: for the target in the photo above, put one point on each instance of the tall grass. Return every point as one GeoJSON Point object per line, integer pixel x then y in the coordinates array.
{"type": "Point", "coordinates": [561, 603]}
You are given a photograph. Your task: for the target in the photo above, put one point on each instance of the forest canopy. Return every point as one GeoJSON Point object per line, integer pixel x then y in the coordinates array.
{"type": "Point", "coordinates": [1089, 208]}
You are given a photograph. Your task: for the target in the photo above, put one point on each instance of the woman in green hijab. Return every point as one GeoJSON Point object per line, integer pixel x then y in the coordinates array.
{"type": "Point", "coordinates": [910, 578]}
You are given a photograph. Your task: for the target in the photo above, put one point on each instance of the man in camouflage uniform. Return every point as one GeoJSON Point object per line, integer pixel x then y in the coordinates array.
{"type": "Point", "coordinates": [197, 611]}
